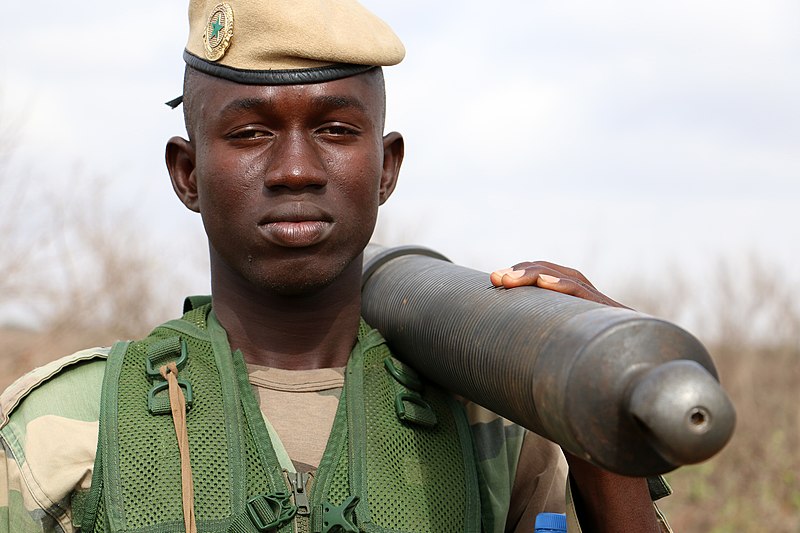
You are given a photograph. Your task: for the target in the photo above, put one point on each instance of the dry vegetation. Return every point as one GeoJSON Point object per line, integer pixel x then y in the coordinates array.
{"type": "Point", "coordinates": [74, 270]}
{"type": "Point", "coordinates": [753, 485]}
{"type": "Point", "coordinates": [91, 282]}
{"type": "Point", "coordinates": [94, 280]}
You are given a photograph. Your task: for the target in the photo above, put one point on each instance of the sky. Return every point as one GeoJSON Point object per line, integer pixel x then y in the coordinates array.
{"type": "Point", "coordinates": [623, 138]}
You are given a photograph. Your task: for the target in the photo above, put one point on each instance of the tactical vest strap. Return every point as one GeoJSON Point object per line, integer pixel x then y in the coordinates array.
{"type": "Point", "coordinates": [398, 464]}
{"type": "Point", "coordinates": [196, 302]}
{"type": "Point", "coordinates": [93, 513]}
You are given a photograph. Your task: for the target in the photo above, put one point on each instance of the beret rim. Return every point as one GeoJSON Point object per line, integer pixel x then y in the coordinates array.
{"type": "Point", "coordinates": [275, 77]}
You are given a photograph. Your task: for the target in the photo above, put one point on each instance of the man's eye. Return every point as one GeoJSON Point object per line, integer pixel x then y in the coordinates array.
{"type": "Point", "coordinates": [249, 133]}
{"type": "Point", "coordinates": [337, 130]}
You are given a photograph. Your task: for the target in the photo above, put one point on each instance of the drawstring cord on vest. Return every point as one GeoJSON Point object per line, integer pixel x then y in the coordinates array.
{"type": "Point", "coordinates": [177, 404]}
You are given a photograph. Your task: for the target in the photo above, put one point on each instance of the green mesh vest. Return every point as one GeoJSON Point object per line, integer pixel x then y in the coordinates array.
{"type": "Point", "coordinates": [399, 458]}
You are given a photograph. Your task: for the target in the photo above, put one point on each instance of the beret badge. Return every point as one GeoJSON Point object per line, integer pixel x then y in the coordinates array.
{"type": "Point", "coordinates": [219, 30]}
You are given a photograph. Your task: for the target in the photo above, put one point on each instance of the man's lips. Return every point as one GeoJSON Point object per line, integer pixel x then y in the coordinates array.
{"type": "Point", "coordinates": [296, 225]}
{"type": "Point", "coordinates": [296, 234]}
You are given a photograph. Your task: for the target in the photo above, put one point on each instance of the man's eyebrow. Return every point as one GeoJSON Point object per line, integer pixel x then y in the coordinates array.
{"type": "Point", "coordinates": [327, 101]}
{"type": "Point", "coordinates": [244, 104]}
{"type": "Point", "coordinates": [322, 102]}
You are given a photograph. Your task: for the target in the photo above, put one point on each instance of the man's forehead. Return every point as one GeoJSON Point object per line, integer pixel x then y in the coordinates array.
{"type": "Point", "coordinates": [209, 98]}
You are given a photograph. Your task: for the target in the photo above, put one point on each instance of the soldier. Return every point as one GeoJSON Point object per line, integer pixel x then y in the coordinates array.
{"type": "Point", "coordinates": [272, 405]}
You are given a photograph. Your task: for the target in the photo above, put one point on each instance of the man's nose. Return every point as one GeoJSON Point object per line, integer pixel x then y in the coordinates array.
{"type": "Point", "coordinates": [296, 164]}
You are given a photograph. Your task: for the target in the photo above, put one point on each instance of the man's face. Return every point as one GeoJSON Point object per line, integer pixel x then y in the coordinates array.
{"type": "Point", "coordinates": [288, 179]}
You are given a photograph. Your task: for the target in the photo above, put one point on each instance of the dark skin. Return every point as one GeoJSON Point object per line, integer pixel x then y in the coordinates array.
{"type": "Point", "coordinates": [288, 181]}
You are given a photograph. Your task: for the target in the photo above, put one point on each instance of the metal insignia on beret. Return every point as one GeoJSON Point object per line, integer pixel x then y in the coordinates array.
{"type": "Point", "coordinates": [219, 30]}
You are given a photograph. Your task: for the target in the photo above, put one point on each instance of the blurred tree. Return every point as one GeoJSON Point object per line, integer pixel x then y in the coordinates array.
{"type": "Point", "coordinates": [75, 268]}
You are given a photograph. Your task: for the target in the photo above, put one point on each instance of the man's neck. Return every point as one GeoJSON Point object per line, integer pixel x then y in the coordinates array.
{"type": "Point", "coordinates": [293, 332]}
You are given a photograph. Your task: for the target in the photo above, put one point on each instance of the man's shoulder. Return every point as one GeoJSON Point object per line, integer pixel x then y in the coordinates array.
{"type": "Point", "coordinates": [48, 436]}
{"type": "Point", "coordinates": [68, 387]}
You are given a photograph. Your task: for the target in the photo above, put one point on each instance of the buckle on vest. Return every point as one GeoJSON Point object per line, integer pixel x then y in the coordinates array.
{"type": "Point", "coordinates": [412, 408]}
{"type": "Point", "coordinates": [339, 516]}
{"type": "Point", "coordinates": [270, 511]}
{"type": "Point", "coordinates": [162, 352]}
{"type": "Point", "coordinates": [159, 405]}
{"type": "Point", "coordinates": [404, 375]}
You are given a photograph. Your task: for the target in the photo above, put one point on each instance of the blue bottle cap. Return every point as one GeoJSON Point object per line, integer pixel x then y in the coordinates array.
{"type": "Point", "coordinates": [551, 523]}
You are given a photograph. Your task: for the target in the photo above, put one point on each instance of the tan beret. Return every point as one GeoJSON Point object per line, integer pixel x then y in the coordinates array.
{"type": "Point", "coordinates": [275, 42]}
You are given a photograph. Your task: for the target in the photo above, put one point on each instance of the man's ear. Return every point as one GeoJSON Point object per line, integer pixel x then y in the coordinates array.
{"type": "Point", "coordinates": [180, 163]}
{"type": "Point", "coordinates": [393, 150]}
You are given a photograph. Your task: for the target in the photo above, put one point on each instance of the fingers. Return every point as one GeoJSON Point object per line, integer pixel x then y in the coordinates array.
{"type": "Point", "coordinates": [508, 273]}
{"type": "Point", "coordinates": [560, 269]}
{"type": "Point", "coordinates": [552, 277]}
{"type": "Point", "coordinates": [538, 273]}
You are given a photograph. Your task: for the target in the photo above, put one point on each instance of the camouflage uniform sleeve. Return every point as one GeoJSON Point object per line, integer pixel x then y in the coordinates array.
{"type": "Point", "coordinates": [48, 432]}
{"type": "Point", "coordinates": [538, 483]}
{"type": "Point", "coordinates": [13, 516]}
{"type": "Point", "coordinates": [522, 474]}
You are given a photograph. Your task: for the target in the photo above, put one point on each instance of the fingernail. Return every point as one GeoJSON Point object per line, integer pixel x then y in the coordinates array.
{"type": "Point", "coordinates": [516, 274]}
{"type": "Point", "coordinates": [549, 279]}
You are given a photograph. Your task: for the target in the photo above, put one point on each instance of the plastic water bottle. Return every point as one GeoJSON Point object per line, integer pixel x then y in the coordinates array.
{"type": "Point", "coordinates": [550, 523]}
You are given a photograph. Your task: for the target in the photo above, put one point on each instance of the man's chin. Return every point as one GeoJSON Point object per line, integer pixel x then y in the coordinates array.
{"type": "Point", "coordinates": [299, 283]}
{"type": "Point", "coordinates": [301, 274]}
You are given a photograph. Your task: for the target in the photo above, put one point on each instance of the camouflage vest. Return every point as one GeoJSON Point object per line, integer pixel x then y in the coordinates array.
{"type": "Point", "coordinates": [399, 458]}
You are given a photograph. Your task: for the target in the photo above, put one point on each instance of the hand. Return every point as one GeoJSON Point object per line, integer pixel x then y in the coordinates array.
{"type": "Point", "coordinates": [553, 277]}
